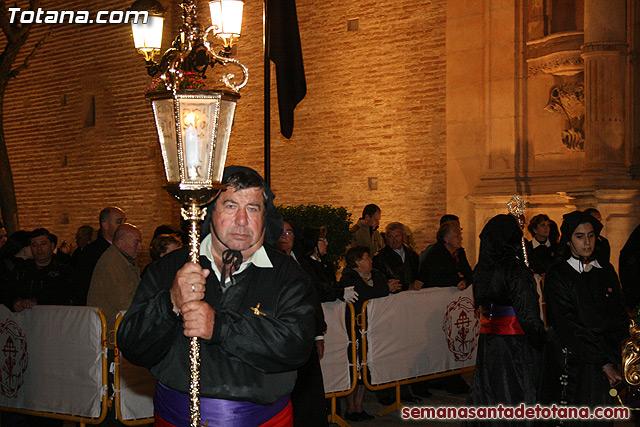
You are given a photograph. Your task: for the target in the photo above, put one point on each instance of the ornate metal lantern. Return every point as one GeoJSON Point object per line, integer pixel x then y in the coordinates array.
{"type": "Point", "coordinates": [193, 124]}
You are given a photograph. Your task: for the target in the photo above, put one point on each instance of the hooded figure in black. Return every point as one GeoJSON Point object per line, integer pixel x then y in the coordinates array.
{"type": "Point", "coordinates": [586, 320]}
{"type": "Point", "coordinates": [511, 333]}
{"type": "Point", "coordinates": [250, 305]}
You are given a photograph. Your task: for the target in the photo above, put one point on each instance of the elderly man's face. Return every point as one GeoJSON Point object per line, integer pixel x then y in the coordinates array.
{"type": "Point", "coordinates": [132, 243]}
{"type": "Point", "coordinates": [395, 238]}
{"type": "Point", "coordinates": [453, 239]}
{"type": "Point", "coordinates": [239, 219]}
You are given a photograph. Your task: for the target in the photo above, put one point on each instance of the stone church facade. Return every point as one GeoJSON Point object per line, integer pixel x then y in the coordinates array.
{"type": "Point", "coordinates": [423, 108]}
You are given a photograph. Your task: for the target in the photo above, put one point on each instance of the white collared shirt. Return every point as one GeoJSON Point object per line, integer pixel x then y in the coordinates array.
{"type": "Point", "coordinates": [579, 266]}
{"type": "Point", "coordinates": [535, 243]}
{"type": "Point", "coordinates": [259, 259]}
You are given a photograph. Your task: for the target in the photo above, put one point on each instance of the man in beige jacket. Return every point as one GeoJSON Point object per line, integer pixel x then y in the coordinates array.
{"type": "Point", "coordinates": [116, 275]}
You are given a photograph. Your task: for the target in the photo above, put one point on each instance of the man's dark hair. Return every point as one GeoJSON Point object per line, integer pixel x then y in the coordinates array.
{"type": "Point", "coordinates": [241, 180]}
{"type": "Point", "coordinates": [43, 232]}
{"type": "Point", "coordinates": [355, 254]}
{"type": "Point", "coordinates": [535, 221]}
{"type": "Point", "coordinates": [444, 230]}
{"type": "Point", "coordinates": [370, 210]}
{"type": "Point", "coordinates": [448, 217]}
{"type": "Point", "coordinates": [1, 224]}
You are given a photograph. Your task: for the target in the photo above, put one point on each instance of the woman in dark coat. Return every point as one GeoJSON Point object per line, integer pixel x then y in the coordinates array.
{"type": "Point", "coordinates": [541, 249]}
{"type": "Point", "coordinates": [322, 272]}
{"type": "Point", "coordinates": [586, 318]}
{"type": "Point", "coordinates": [361, 283]}
{"type": "Point", "coordinates": [511, 333]}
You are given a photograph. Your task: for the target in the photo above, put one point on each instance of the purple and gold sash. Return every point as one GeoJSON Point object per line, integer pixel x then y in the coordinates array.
{"type": "Point", "coordinates": [173, 409]}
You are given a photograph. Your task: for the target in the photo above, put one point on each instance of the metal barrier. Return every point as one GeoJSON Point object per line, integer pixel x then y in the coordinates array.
{"type": "Point", "coordinates": [118, 385]}
{"type": "Point", "coordinates": [47, 315]}
{"type": "Point", "coordinates": [365, 370]}
{"type": "Point", "coordinates": [333, 416]}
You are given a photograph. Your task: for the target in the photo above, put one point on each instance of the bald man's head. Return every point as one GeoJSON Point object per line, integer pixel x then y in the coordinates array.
{"type": "Point", "coordinates": [128, 239]}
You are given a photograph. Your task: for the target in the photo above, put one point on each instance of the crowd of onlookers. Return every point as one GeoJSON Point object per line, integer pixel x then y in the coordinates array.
{"type": "Point", "coordinates": [574, 359]}
{"type": "Point", "coordinates": [102, 271]}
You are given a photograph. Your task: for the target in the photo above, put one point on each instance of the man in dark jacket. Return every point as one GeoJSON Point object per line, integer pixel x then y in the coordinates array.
{"type": "Point", "coordinates": [396, 260]}
{"type": "Point", "coordinates": [41, 280]}
{"type": "Point", "coordinates": [446, 263]}
{"type": "Point", "coordinates": [250, 305]}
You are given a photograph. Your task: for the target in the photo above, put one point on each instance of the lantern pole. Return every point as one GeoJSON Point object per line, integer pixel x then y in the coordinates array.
{"type": "Point", "coordinates": [193, 123]}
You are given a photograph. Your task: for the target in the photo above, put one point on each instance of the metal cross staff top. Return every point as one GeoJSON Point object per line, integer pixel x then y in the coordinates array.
{"type": "Point", "coordinates": [516, 207]}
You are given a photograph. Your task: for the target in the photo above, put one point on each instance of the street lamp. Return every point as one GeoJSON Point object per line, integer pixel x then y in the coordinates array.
{"type": "Point", "coordinates": [193, 123]}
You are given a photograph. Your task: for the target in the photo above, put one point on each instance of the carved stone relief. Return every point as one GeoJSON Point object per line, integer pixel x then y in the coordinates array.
{"type": "Point", "coordinates": [568, 99]}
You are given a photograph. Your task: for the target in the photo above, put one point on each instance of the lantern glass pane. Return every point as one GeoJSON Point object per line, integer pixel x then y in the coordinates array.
{"type": "Point", "coordinates": [198, 119]}
{"type": "Point", "coordinates": [226, 17]}
{"type": "Point", "coordinates": [225, 121]}
{"type": "Point", "coordinates": [148, 36]}
{"type": "Point", "coordinates": [165, 124]}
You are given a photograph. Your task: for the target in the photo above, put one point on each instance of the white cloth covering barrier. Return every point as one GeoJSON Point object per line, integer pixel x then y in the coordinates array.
{"type": "Point", "coordinates": [137, 386]}
{"type": "Point", "coordinates": [51, 360]}
{"type": "Point", "coordinates": [335, 363]}
{"type": "Point", "coordinates": [419, 333]}
{"type": "Point", "coordinates": [51, 356]}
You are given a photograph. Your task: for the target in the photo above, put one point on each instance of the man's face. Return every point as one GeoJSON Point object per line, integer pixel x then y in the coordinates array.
{"type": "Point", "coordinates": [82, 239]}
{"type": "Point", "coordinates": [42, 250]}
{"type": "Point", "coordinates": [395, 238]}
{"type": "Point", "coordinates": [3, 236]}
{"type": "Point", "coordinates": [583, 240]}
{"type": "Point", "coordinates": [109, 227]}
{"type": "Point", "coordinates": [364, 265]}
{"type": "Point", "coordinates": [132, 243]}
{"type": "Point", "coordinates": [285, 243]}
{"type": "Point", "coordinates": [239, 219]}
{"type": "Point", "coordinates": [453, 239]}
{"type": "Point", "coordinates": [374, 221]}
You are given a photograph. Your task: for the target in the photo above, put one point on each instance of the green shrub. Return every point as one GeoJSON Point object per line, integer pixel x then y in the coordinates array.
{"type": "Point", "coordinates": [337, 221]}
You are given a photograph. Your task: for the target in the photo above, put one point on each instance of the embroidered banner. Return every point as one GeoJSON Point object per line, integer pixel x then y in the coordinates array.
{"type": "Point", "coordinates": [51, 360]}
{"type": "Point", "coordinates": [417, 333]}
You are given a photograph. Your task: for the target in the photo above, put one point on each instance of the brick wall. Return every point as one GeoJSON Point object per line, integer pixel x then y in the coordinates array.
{"type": "Point", "coordinates": [375, 107]}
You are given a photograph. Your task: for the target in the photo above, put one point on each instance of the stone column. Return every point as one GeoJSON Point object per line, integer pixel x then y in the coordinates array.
{"type": "Point", "coordinates": [604, 54]}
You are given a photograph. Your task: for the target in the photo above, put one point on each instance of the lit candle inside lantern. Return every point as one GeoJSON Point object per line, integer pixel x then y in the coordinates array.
{"type": "Point", "coordinates": [192, 149]}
